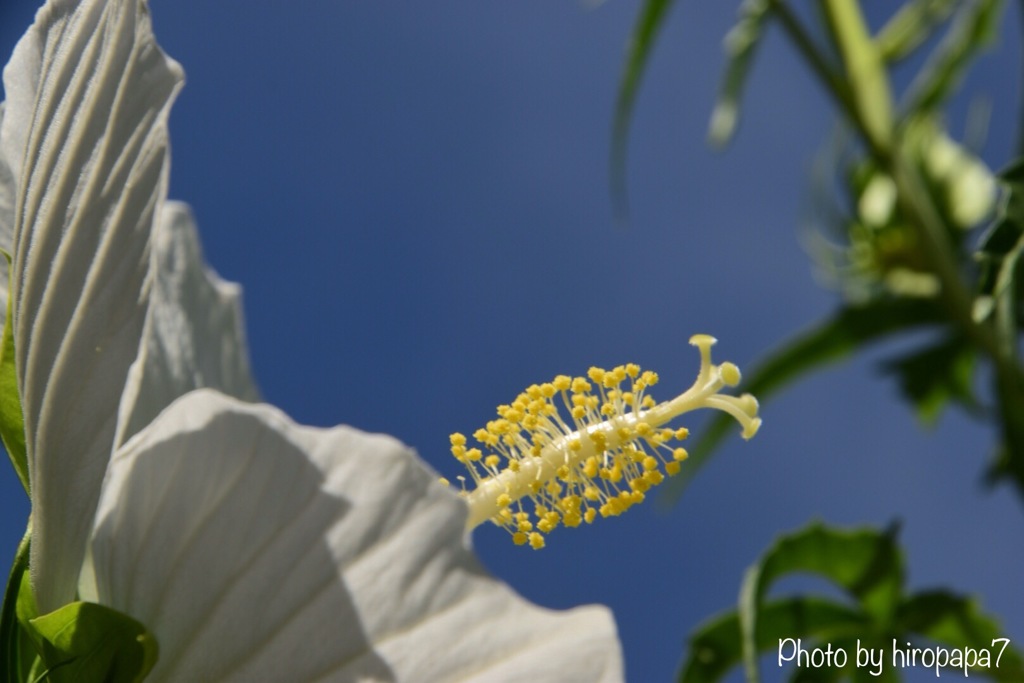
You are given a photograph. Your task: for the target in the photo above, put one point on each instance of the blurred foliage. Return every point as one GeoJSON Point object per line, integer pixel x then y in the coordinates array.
{"type": "Point", "coordinates": [872, 611]}
{"type": "Point", "coordinates": [918, 235]}
{"type": "Point", "coordinates": [904, 229]}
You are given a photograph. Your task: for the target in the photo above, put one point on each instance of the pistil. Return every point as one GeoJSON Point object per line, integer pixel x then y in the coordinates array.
{"type": "Point", "coordinates": [597, 456]}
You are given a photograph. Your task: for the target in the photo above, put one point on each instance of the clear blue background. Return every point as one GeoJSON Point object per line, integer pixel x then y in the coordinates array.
{"type": "Point", "coordinates": [415, 198]}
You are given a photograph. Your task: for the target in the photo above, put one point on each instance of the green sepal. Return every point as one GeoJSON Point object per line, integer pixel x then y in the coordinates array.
{"type": "Point", "coordinates": [12, 423]}
{"type": "Point", "coordinates": [83, 641]}
{"type": "Point", "coordinates": [17, 652]}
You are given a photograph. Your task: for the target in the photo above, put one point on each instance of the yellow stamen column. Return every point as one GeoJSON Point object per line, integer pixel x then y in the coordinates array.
{"type": "Point", "coordinates": [601, 460]}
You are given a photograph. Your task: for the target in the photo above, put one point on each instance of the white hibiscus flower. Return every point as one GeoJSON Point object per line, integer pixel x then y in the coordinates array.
{"type": "Point", "coordinates": [250, 547]}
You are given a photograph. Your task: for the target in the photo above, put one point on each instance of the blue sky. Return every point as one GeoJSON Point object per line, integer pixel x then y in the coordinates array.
{"type": "Point", "coordinates": [415, 199]}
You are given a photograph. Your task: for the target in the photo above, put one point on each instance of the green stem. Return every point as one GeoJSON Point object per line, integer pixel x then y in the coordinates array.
{"type": "Point", "coordinates": [1020, 105]}
{"type": "Point", "coordinates": [1005, 300]}
{"type": "Point", "coordinates": [958, 301]}
{"type": "Point", "coordinates": [868, 79]}
{"type": "Point", "coordinates": [865, 101]}
{"type": "Point", "coordinates": [927, 223]}
{"type": "Point", "coordinates": [925, 218]}
{"type": "Point", "coordinates": [832, 80]}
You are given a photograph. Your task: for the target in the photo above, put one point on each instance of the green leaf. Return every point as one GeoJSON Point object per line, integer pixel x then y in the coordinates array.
{"type": "Point", "coordinates": [932, 376]}
{"type": "Point", "coordinates": [740, 46]}
{"type": "Point", "coordinates": [12, 424]}
{"type": "Point", "coordinates": [83, 641]}
{"type": "Point", "coordinates": [958, 622]}
{"type": "Point", "coordinates": [867, 564]}
{"type": "Point", "coordinates": [831, 341]}
{"type": "Point", "coordinates": [715, 648]}
{"type": "Point", "coordinates": [911, 26]}
{"type": "Point", "coordinates": [645, 32]}
{"type": "Point", "coordinates": [975, 27]}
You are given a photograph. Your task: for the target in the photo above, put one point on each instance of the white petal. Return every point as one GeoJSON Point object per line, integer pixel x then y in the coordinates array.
{"type": "Point", "coordinates": [256, 549]}
{"type": "Point", "coordinates": [7, 194]}
{"type": "Point", "coordinates": [194, 335]}
{"type": "Point", "coordinates": [84, 134]}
